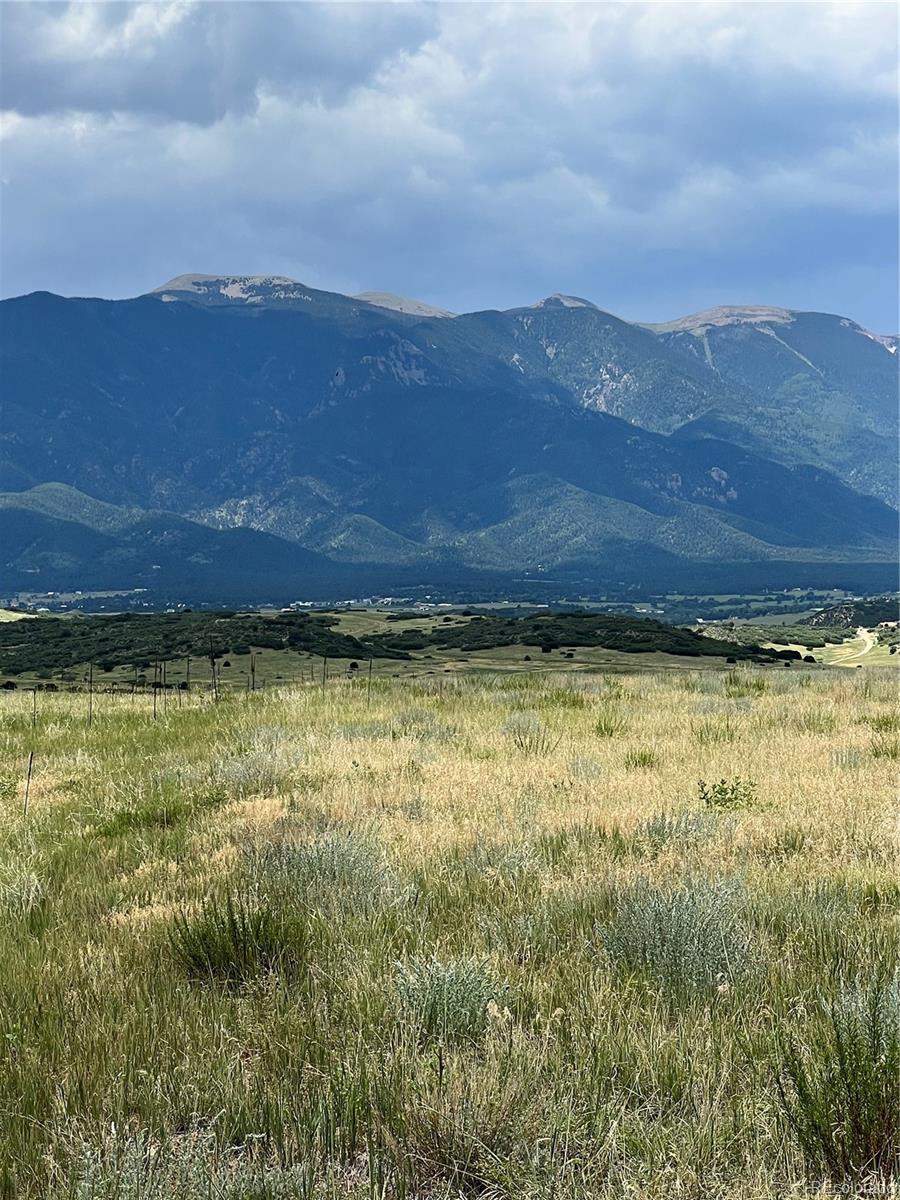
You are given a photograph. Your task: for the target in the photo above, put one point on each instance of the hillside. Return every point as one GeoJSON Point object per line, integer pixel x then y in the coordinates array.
{"type": "Point", "coordinates": [631, 635]}
{"type": "Point", "coordinates": [52, 644]}
{"type": "Point", "coordinates": [854, 613]}
{"type": "Point", "coordinates": [54, 537]}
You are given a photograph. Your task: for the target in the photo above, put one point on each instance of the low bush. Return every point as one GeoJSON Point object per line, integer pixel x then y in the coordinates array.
{"type": "Point", "coordinates": [447, 1000]}
{"type": "Point", "coordinates": [727, 793]}
{"type": "Point", "coordinates": [688, 939]}
{"type": "Point", "coordinates": [340, 869]}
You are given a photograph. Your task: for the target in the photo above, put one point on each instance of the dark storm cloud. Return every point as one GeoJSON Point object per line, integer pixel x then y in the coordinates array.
{"type": "Point", "coordinates": [653, 158]}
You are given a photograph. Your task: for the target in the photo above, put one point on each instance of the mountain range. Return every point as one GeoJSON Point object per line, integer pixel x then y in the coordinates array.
{"type": "Point", "coordinates": [251, 432]}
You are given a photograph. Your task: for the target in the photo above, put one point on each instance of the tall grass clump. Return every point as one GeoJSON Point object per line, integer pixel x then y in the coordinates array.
{"type": "Point", "coordinates": [888, 722]}
{"type": "Point", "coordinates": [678, 829]}
{"type": "Point", "coordinates": [686, 939]}
{"type": "Point", "coordinates": [611, 688]}
{"type": "Point", "coordinates": [885, 745]}
{"type": "Point", "coordinates": [743, 683]}
{"type": "Point", "coordinates": [609, 723]}
{"type": "Point", "coordinates": [447, 1000]}
{"type": "Point", "coordinates": [839, 1085]}
{"type": "Point", "coordinates": [642, 758]}
{"type": "Point", "coordinates": [233, 939]}
{"type": "Point", "coordinates": [785, 844]}
{"type": "Point", "coordinates": [714, 733]}
{"type": "Point", "coordinates": [529, 735]}
{"type": "Point", "coordinates": [813, 720]}
{"type": "Point", "coordinates": [459, 1144]}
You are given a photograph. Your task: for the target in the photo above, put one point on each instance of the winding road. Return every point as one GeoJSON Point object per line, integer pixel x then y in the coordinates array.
{"type": "Point", "coordinates": [851, 651]}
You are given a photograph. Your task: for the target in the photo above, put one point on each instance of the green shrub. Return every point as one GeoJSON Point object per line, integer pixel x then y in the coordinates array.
{"type": "Point", "coordinates": [839, 1084]}
{"type": "Point", "coordinates": [447, 999]}
{"type": "Point", "coordinates": [727, 793]}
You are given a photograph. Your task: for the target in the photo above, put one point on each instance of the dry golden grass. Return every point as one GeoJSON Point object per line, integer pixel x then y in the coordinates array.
{"type": "Point", "coordinates": [495, 826]}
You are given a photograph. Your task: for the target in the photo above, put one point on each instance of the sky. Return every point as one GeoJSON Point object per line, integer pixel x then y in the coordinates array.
{"type": "Point", "coordinates": [656, 159]}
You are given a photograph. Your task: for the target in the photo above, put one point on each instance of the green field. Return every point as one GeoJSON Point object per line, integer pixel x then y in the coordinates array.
{"type": "Point", "coordinates": [499, 933]}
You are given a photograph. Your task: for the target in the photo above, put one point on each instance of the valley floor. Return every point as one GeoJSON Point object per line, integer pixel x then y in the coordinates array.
{"type": "Point", "coordinates": [521, 935]}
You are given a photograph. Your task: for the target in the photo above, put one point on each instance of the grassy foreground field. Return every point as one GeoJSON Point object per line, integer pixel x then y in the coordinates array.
{"type": "Point", "coordinates": [519, 935]}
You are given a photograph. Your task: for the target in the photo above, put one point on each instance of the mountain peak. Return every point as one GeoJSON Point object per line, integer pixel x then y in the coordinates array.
{"type": "Point", "coordinates": [559, 300]}
{"type": "Point", "coordinates": [251, 289]}
{"type": "Point", "coordinates": [416, 308]}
